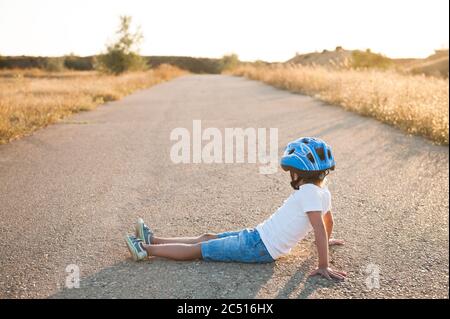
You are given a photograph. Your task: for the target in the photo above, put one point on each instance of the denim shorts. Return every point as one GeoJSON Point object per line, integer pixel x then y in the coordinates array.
{"type": "Point", "coordinates": [243, 246]}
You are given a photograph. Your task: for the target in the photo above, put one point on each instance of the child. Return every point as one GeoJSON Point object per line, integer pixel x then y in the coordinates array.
{"type": "Point", "coordinates": [309, 160]}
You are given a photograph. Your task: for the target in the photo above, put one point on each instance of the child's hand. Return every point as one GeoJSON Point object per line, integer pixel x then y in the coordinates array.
{"type": "Point", "coordinates": [329, 273]}
{"type": "Point", "coordinates": [336, 242]}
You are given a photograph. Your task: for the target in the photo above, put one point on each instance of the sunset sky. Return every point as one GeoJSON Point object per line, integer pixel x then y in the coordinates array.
{"type": "Point", "coordinates": [271, 30]}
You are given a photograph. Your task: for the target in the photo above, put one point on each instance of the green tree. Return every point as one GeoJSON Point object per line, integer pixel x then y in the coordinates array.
{"type": "Point", "coordinates": [123, 54]}
{"type": "Point", "coordinates": [229, 62]}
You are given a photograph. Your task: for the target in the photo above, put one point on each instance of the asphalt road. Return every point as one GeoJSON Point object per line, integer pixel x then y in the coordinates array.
{"type": "Point", "coordinates": [70, 192]}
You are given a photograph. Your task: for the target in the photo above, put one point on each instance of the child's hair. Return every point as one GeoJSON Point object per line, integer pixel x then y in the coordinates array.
{"type": "Point", "coordinates": [312, 177]}
{"type": "Point", "coordinates": [309, 177]}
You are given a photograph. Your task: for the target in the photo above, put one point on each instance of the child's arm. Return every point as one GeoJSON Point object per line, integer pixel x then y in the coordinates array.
{"type": "Point", "coordinates": [320, 234]}
{"type": "Point", "coordinates": [329, 222]}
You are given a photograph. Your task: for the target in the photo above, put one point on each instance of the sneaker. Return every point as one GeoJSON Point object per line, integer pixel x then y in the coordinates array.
{"type": "Point", "coordinates": [136, 248]}
{"type": "Point", "coordinates": [143, 232]}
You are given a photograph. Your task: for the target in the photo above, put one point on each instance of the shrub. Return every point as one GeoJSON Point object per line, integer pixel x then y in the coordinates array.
{"type": "Point", "coordinates": [73, 62]}
{"type": "Point", "coordinates": [191, 64]}
{"type": "Point", "coordinates": [122, 55]}
{"type": "Point", "coordinates": [54, 64]}
{"type": "Point", "coordinates": [117, 62]}
{"type": "Point", "coordinates": [229, 62]}
{"type": "Point", "coordinates": [367, 59]}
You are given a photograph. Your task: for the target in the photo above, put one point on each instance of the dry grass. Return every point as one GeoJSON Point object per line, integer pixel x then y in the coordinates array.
{"type": "Point", "coordinates": [416, 104]}
{"type": "Point", "coordinates": [31, 99]}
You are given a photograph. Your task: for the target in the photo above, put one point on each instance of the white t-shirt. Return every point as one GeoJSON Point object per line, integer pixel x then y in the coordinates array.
{"type": "Point", "coordinates": [290, 223]}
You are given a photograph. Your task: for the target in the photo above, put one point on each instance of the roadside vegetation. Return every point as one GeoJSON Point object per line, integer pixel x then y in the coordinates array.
{"type": "Point", "coordinates": [31, 99]}
{"type": "Point", "coordinates": [415, 103]}
{"type": "Point", "coordinates": [411, 94]}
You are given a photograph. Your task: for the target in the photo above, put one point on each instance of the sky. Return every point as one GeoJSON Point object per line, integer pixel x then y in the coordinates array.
{"type": "Point", "coordinates": [270, 30]}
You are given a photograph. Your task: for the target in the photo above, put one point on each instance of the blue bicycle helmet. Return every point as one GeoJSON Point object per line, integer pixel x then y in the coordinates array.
{"type": "Point", "coordinates": [308, 154]}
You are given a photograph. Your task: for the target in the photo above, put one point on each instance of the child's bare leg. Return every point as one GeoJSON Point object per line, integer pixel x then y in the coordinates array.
{"type": "Point", "coordinates": [183, 240]}
{"type": "Point", "coordinates": [175, 251]}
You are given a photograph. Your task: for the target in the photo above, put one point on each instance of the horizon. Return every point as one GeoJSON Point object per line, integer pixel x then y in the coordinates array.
{"type": "Point", "coordinates": [262, 30]}
{"type": "Point", "coordinates": [207, 57]}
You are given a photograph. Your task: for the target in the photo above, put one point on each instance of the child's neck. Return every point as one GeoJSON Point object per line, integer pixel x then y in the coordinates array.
{"type": "Point", "coordinates": [318, 184]}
